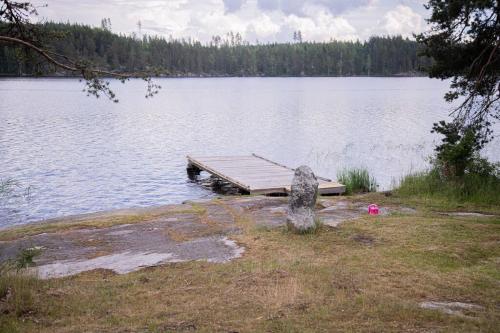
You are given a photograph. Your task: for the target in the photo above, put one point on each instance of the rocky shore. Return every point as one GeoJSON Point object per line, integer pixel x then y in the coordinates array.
{"type": "Point", "coordinates": [128, 240]}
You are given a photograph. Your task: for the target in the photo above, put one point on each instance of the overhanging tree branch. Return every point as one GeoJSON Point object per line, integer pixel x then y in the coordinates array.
{"type": "Point", "coordinates": [16, 29]}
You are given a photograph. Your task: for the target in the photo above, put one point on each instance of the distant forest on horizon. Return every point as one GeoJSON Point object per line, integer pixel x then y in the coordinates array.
{"type": "Point", "coordinates": [223, 56]}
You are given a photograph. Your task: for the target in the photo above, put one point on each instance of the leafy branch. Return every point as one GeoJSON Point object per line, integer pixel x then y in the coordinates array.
{"type": "Point", "coordinates": [17, 29]}
{"type": "Point", "coordinates": [464, 41]}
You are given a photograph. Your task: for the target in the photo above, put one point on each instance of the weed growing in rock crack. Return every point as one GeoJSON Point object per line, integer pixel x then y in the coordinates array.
{"type": "Point", "coordinates": [25, 257]}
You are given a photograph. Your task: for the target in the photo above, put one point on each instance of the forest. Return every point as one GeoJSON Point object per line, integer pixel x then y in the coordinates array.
{"type": "Point", "coordinates": [227, 55]}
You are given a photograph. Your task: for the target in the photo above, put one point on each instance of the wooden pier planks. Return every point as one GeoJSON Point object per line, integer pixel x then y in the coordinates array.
{"type": "Point", "coordinates": [256, 174]}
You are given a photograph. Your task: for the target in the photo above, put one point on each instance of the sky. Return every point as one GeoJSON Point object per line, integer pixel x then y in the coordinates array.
{"type": "Point", "coordinates": [255, 20]}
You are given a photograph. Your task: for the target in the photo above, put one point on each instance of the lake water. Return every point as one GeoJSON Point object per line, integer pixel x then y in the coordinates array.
{"type": "Point", "coordinates": [79, 154]}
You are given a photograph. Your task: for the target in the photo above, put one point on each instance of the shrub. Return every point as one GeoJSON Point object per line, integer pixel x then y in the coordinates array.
{"type": "Point", "coordinates": [459, 149]}
{"type": "Point", "coordinates": [357, 180]}
{"type": "Point", "coordinates": [25, 258]}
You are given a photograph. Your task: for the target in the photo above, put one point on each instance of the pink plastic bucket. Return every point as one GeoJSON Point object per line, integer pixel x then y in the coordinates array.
{"type": "Point", "coordinates": [373, 209]}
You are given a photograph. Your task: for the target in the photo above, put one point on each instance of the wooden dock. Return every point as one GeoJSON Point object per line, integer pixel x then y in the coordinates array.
{"type": "Point", "coordinates": [254, 174]}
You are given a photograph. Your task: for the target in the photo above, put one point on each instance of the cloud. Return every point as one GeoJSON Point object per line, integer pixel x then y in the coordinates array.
{"type": "Point", "coordinates": [299, 7]}
{"type": "Point", "coordinates": [322, 27]}
{"type": "Point", "coordinates": [233, 5]}
{"type": "Point", "coordinates": [263, 20]}
{"type": "Point", "coordinates": [402, 21]}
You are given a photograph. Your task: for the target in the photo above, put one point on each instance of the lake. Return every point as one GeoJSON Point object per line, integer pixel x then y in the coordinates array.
{"type": "Point", "coordinates": [73, 154]}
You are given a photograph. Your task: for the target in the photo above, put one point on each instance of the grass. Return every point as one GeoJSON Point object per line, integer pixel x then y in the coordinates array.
{"type": "Point", "coordinates": [357, 180]}
{"type": "Point", "coordinates": [481, 191]}
{"type": "Point", "coordinates": [326, 281]}
{"type": "Point", "coordinates": [17, 289]}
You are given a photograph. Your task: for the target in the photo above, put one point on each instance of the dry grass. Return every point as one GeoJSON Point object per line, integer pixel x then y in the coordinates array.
{"type": "Point", "coordinates": [367, 276]}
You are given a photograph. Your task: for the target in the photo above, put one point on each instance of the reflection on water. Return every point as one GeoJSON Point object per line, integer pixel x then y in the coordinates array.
{"type": "Point", "coordinates": [79, 154]}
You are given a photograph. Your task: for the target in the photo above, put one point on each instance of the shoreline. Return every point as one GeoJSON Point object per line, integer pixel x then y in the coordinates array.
{"type": "Point", "coordinates": [159, 267]}
{"type": "Point", "coordinates": [206, 76]}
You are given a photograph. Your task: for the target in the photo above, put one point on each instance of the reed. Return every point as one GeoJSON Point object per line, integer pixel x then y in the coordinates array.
{"type": "Point", "coordinates": [471, 188]}
{"type": "Point", "coordinates": [357, 180]}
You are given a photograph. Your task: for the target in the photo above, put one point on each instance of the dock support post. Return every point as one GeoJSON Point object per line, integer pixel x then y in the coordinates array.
{"type": "Point", "coordinates": [192, 171]}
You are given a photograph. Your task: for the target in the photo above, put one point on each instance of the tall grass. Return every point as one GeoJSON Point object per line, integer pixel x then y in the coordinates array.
{"type": "Point", "coordinates": [472, 188]}
{"type": "Point", "coordinates": [17, 289]}
{"type": "Point", "coordinates": [357, 180]}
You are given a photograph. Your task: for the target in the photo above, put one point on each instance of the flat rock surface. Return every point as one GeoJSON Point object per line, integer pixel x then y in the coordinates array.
{"type": "Point", "coordinates": [191, 231]}
{"type": "Point", "coordinates": [467, 214]}
{"type": "Point", "coordinates": [452, 308]}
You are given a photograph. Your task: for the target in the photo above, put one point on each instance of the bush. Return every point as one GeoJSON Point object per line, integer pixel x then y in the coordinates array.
{"type": "Point", "coordinates": [25, 258]}
{"type": "Point", "coordinates": [357, 180]}
{"type": "Point", "coordinates": [459, 150]}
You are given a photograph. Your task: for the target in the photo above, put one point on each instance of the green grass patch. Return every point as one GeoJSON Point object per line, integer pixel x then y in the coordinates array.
{"type": "Point", "coordinates": [472, 188]}
{"type": "Point", "coordinates": [357, 180]}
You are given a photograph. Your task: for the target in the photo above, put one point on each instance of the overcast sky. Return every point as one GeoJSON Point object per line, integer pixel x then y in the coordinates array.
{"type": "Point", "coordinates": [262, 20]}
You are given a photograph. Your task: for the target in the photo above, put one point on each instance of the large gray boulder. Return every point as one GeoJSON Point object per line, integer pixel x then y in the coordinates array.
{"type": "Point", "coordinates": [304, 191]}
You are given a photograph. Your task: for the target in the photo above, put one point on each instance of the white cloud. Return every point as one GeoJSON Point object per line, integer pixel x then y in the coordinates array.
{"type": "Point", "coordinates": [263, 20]}
{"type": "Point", "coordinates": [298, 7]}
{"type": "Point", "coordinates": [402, 21]}
{"type": "Point", "coordinates": [322, 27]}
{"type": "Point", "coordinates": [233, 5]}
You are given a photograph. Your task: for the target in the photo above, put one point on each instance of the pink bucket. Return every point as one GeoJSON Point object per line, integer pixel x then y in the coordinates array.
{"type": "Point", "coordinates": [373, 209]}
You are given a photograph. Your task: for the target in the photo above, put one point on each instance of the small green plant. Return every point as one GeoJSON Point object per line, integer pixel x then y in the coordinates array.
{"type": "Point", "coordinates": [25, 257]}
{"type": "Point", "coordinates": [357, 180]}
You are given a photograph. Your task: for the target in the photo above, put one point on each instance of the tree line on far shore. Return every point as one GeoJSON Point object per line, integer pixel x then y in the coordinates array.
{"type": "Point", "coordinates": [222, 56]}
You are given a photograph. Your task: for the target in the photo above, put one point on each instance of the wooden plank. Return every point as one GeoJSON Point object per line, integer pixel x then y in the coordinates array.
{"type": "Point", "coordinates": [255, 174]}
{"type": "Point", "coordinates": [223, 159]}
{"type": "Point", "coordinates": [232, 163]}
{"type": "Point", "coordinates": [284, 166]}
{"type": "Point", "coordinates": [267, 175]}
{"type": "Point", "coordinates": [215, 172]}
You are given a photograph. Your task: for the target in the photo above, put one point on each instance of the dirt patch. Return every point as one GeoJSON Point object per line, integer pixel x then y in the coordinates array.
{"type": "Point", "coordinates": [364, 239]}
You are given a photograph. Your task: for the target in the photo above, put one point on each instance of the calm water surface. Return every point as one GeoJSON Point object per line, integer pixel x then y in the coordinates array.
{"type": "Point", "coordinates": [78, 154]}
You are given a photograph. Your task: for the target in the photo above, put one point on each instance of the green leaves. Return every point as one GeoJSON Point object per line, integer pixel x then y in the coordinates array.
{"type": "Point", "coordinates": [463, 41]}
